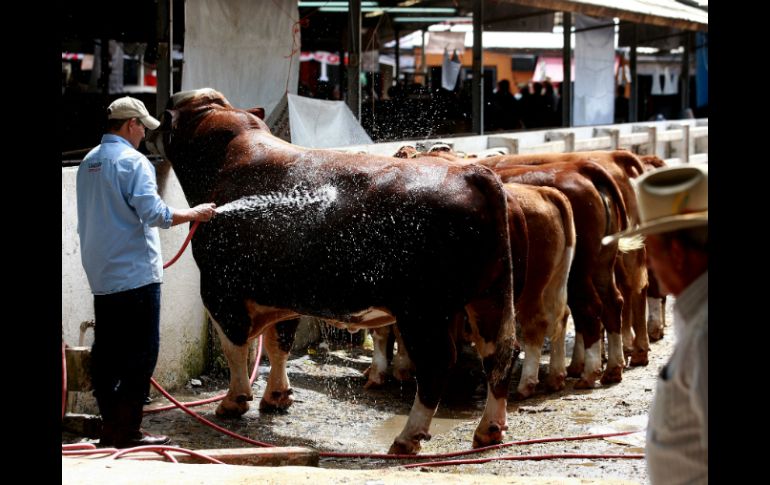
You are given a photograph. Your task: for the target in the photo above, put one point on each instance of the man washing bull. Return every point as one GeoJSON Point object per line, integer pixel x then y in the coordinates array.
{"type": "Point", "coordinates": [119, 211]}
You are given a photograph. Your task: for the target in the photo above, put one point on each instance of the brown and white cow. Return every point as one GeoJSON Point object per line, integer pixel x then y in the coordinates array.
{"type": "Point", "coordinates": [352, 238]}
{"type": "Point", "coordinates": [593, 296]}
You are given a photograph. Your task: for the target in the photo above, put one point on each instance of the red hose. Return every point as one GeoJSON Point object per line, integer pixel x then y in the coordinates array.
{"type": "Point", "coordinates": [163, 450]}
{"type": "Point", "coordinates": [184, 244]}
{"type": "Point", "coordinates": [628, 456]}
{"type": "Point", "coordinates": [474, 450]}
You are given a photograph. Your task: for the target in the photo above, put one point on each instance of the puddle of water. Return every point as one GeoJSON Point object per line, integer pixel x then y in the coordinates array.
{"type": "Point", "coordinates": [583, 417]}
{"type": "Point", "coordinates": [384, 433]}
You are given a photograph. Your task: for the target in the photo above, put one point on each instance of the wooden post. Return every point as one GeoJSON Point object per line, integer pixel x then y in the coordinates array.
{"type": "Point", "coordinates": [477, 84]}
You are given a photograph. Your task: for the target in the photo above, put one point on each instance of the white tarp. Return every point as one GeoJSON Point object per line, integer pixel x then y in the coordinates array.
{"type": "Point", "coordinates": [317, 123]}
{"type": "Point", "coordinates": [240, 48]}
{"type": "Point", "coordinates": [594, 102]}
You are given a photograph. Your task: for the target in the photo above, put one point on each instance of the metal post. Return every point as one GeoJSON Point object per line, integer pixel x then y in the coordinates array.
{"type": "Point", "coordinates": [104, 76]}
{"type": "Point", "coordinates": [165, 50]}
{"type": "Point", "coordinates": [633, 106]}
{"type": "Point", "coordinates": [354, 58]}
{"type": "Point", "coordinates": [398, 54]}
{"type": "Point", "coordinates": [566, 61]}
{"type": "Point", "coordinates": [685, 77]}
{"type": "Point", "coordinates": [423, 69]}
{"type": "Point", "coordinates": [477, 84]}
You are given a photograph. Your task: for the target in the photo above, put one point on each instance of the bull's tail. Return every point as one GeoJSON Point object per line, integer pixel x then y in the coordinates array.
{"type": "Point", "coordinates": [606, 185]}
{"type": "Point", "coordinates": [499, 364]}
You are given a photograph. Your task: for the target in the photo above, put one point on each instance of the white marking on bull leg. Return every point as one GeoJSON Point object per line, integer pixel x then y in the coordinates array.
{"type": "Point", "coordinates": [529, 370]}
{"type": "Point", "coordinates": [277, 394]}
{"type": "Point", "coordinates": [655, 319]}
{"type": "Point", "coordinates": [376, 371]}
{"type": "Point", "coordinates": [491, 429]}
{"type": "Point", "coordinates": [235, 402]}
{"type": "Point", "coordinates": [593, 366]}
{"type": "Point", "coordinates": [615, 360]}
{"type": "Point", "coordinates": [415, 430]}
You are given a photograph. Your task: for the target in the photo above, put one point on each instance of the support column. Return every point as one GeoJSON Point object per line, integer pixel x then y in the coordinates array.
{"type": "Point", "coordinates": [477, 84]}
{"type": "Point", "coordinates": [165, 30]}
{"type": "Point", "coordinates": [397, 33]}
{"type": "Point", "coordinates": [354, 58]}
{"type": "Point", "coordinates": [685, 76]}
{"type": "Point", "coordinates": [566, 60]}
{"type": "Point", "coordinates": [633, 105]}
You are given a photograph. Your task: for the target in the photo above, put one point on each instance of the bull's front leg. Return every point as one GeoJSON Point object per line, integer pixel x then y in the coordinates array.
{"type": "Point", "coordinates": [278, 340]}
{"type": "Point", "coordinates": [236, 402]}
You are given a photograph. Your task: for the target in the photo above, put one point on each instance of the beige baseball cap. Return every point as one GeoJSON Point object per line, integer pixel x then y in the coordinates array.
{"type": "Point", "coordinates": [669, 199]}
{"type": "Point", "coordinates": [128, 107]}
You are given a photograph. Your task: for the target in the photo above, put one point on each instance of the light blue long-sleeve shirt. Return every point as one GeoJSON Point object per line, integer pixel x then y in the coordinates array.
{"type": "Point", "coordinates": [119, 211]}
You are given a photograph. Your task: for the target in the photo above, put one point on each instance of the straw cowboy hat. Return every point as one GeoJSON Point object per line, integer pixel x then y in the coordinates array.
{"type": "Point", "coordinates": [669, 199]}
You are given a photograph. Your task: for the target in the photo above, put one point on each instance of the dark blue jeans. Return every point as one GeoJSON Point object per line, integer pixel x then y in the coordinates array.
{"type": "Point", "coordinates": [126, 341]}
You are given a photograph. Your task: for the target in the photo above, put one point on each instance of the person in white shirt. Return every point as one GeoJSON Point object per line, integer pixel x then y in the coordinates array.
{"type": "Point", "coordinates": [673, 209]}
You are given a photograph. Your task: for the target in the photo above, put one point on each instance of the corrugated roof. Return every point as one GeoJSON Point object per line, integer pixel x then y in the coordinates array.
{"type": "Point", "coordinates": [667, 13]}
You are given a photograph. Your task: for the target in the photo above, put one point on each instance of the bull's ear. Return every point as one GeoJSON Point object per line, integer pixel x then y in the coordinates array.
{"type": "Point", "coordinates": [257, 111]}
{"type": "Point", "coordinates": [169, 119]}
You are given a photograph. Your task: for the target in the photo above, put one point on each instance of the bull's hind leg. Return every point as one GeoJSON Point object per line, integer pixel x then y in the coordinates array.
{"type": "Point", "coordinates": [236, 402]}
{"type": "Point", "coordinates": [278, 340]}
{"type": "Point", "coordinates": [428, 344]}
{"type": "Point", "coordinates": [375, 373]}
{"type": "Point", "coordinates": [494, 336]}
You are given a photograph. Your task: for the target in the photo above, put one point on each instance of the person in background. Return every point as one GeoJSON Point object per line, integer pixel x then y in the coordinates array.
{"type": "Point", "coordinates": [119, 212]}
{"type": "Point", "coordinates": [673, 210]}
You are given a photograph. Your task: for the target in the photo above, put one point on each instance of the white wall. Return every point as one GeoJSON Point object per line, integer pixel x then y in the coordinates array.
{"type": "Point", "coordinates": [182, 321]}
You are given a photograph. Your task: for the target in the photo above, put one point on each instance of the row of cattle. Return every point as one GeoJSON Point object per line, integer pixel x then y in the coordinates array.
{"type": "Point", "coordinates": [557, 253]}
{"type": "Point", "coordinates": [440, 247]}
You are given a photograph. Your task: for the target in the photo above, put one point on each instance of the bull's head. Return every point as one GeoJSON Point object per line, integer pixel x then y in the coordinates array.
{"type": "Point", "coordinates": [185, 111]}
{"type": "Point", "coordinates": [194, 134]}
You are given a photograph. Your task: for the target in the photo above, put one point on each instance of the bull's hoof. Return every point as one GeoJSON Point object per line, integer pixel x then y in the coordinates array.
{"type": "Point", "coordinates": [375, 381]}
{"type": "Point", "coordinates": [639, 358]}
{"type": "Point", "coordinates": [612, 375]}
{"type": "Point", "coordinates": [655, 333]}
{"type": "Point", "coordinates": [575, 370]}
{"type": "Point", "coordinates": [494, 434]}
{"type": "Point", "coordinates": [276, 402]}
{"type": "Point", "coordinates": [404, 447]}
{"type": "Point", "coordinates": [232, 409]}
{"type": "Point", "coordinates": [523, 392]}
{"type": "Point", "coordinates": [585, 384]}
{"type": "Point", "coordinates": [555, 383]}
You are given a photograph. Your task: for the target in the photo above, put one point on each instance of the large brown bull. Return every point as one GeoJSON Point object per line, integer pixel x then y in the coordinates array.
{"type": "Point", "coordinates": [356, 239]}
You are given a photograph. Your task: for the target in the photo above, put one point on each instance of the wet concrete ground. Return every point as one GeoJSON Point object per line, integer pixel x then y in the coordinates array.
{"type": "Point", "coordinates": [332, 412]}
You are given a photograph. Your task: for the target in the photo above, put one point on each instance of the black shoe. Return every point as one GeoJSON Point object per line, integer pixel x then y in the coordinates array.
{"type": "Point", "coordinates": [142, 438]}
{"type": "Point", "coordinates": [147, 400]}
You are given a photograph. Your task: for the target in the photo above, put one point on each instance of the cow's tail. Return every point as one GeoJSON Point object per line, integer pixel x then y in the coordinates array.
{"type": "Point", "coordinates": [499, 365]}
{"type": "Point", "coordinates": [606, 186]}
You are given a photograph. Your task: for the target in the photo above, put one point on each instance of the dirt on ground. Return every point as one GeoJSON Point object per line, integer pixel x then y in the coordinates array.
{"type": "Point", "coordinates": [333, 413]}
